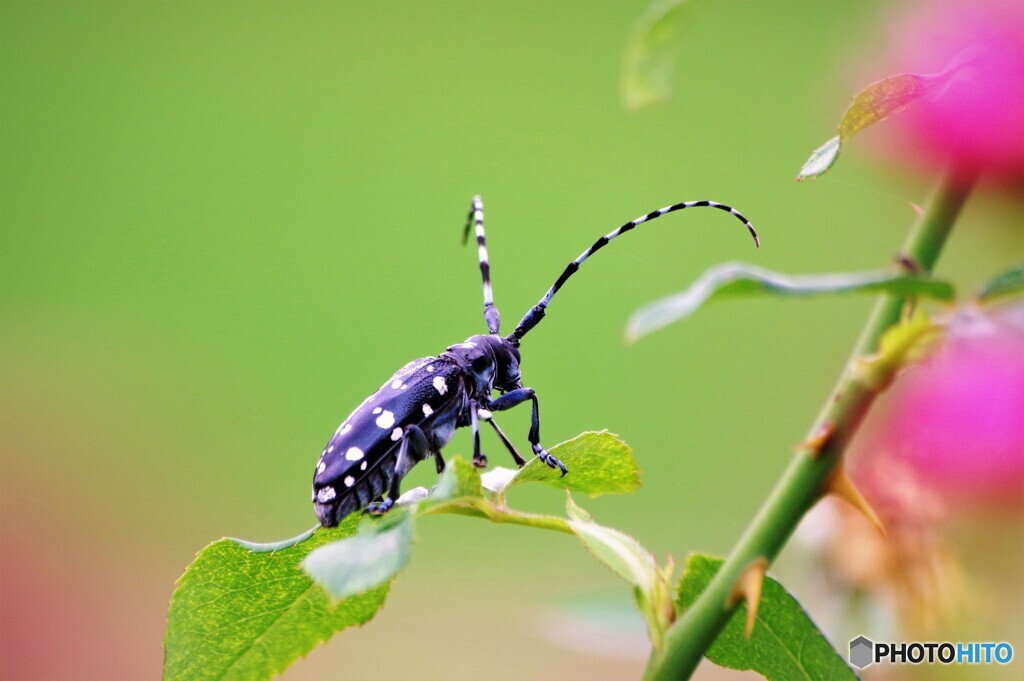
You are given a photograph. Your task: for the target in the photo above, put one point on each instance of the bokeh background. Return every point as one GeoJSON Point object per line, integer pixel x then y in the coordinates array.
{"type": "Point", "coordinates": [225, 224]}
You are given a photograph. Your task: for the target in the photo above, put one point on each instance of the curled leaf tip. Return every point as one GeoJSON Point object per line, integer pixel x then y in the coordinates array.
{"type": "Point", "coordinates": [841, 486]}
{"type": "Point", "coordinates": [271, 547]}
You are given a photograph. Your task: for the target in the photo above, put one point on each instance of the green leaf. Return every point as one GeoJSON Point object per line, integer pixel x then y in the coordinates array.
{"type": "Point", "coordinates": [372, 557]}
{"type": "Point", "coordinates": [785, 644]}
{"type": "Point", "coordinates": [598, 463]}
{"type": "Point", "coordinates": [740, 279]}
{"type": "Point", "coordinates": [620, 552]}
{"type": "Point", "coordinates": [648, 62]}
{"type": "Point", "coordinates": [236, 614]}
{"type": "Point", "coordinates": [1007, 283]}
{"type": "Point", "coordinates": [877, 102]}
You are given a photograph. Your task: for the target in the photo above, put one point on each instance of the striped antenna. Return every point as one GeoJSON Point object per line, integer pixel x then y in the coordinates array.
{"type": "Point", "coordinates": [536, 313]}
{"type": "Point", "coordinates": [476, 219]}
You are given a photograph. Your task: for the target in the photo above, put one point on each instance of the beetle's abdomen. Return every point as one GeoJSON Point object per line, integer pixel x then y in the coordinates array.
{"type": "Point", "coordinates": [358, 464]}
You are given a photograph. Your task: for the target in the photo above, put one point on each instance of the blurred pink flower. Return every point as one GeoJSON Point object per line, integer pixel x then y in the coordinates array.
{"type": "Point", "coordinates": [957, 420]}
{"type": "Point", "coordinates": [978, 120]}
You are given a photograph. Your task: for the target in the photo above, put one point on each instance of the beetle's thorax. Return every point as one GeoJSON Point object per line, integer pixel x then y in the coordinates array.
{"type": "Point", "coordinates": [490, 361]}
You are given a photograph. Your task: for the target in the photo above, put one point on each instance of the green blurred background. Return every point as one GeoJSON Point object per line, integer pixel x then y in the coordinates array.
{"type": "Point", "coordinates": [224, 225]}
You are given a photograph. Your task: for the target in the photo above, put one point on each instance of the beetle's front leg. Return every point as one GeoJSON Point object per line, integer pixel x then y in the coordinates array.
{"type": "Point", "coordinates": [412, 449]}
{"type": "Point", "coordinates": [517, 397]}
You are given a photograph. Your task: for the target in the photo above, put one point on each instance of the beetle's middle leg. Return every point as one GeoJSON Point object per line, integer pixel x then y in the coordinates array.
{"type": "Point", "coordinates": [479, 458]}
{"type": "Point", "coordinates": [516, 456]}
{"type": "Point", "coordinates": [517, 397]}
{"type": "Point", "coordinates": [412, 449]}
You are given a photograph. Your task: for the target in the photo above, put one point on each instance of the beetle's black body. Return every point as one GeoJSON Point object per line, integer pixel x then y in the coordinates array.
{"type": "Point", "coordinates": [415, 414]}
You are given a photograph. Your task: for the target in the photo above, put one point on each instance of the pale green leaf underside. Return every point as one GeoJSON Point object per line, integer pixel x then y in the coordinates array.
{"type": "Point", "coordinates": [372, 557]}
{"type": "Point", "coordinates": [620, 552]}
{"type": "Point", "coordinates": [821, 159]}
{"type": "Point", "coordinates": [740, 279]}
{"type": "Point", "coordinates": [236, 614]}
{"type": "Point", "coordinates": [785, 644]}
{"type": "Point", "coordinates": [1008, 283]}
{"type": "Point", "coordinates": [648, 62]}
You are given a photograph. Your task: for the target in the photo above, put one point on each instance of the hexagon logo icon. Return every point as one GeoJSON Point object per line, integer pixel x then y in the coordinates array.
{"type": "Point", "coordinates": [861, 652]}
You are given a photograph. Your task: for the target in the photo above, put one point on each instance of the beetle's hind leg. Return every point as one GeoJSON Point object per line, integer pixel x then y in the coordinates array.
{"type": "Point", "coordinates": [413, 449]}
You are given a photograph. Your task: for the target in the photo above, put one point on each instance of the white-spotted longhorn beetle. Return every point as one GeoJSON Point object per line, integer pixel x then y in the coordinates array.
{"type": "Point", "coordinates": [415, 414]}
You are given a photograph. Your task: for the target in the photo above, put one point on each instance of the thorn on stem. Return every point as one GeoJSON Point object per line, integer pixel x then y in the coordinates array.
{"type": "Point", "coordinates": [748, 588]}
{"type": "Point", "coordinates": [841, 486]}
{"type": "Point", "coordinates": [815, 444]}
{"type": "Point", "coordinates": [907, 263]}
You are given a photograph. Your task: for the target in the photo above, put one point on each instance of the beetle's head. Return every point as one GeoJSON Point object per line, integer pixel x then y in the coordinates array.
{"type": "Point", "coordinates": [492, 360]}
{"type": "Point", "coordinates": [506, 363]}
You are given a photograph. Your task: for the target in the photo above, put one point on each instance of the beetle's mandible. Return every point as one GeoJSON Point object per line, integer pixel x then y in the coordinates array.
{"type": "Point", "coordinates": [415, 414]}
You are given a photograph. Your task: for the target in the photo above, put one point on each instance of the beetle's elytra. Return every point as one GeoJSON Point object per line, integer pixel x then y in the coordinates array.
{"type": "Point", "coordinates": [415, 414]}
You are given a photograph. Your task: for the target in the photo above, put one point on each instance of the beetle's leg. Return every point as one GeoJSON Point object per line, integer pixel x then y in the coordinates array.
{"type": "Point", "coordinates": [517, 397]}
{"type": "Point", "coordinates": [486, 416]}
{"type": "Point", "coordinates": [439, 462]}
{"type": "Point", "coordinates": [412, 449]}
{"type": "Point", "coordinates": [479, 458]}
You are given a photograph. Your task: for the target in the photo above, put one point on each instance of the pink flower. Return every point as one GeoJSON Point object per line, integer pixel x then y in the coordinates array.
{"type": "Point", "coordinates": [957, 420]}
{"type": "Point", "coordinates": [978, 120]}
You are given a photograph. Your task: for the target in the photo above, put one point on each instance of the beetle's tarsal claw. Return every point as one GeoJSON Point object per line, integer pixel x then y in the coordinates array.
{"type": "Point", "coordinates": [480, 461]}
{"type": "Point", "coordinates": [552, 461]}
{"type": "Point", "coordinates": [379, 507]}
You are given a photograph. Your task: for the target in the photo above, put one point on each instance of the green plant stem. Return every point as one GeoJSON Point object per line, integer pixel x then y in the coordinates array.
{"type": "Point", "coordinates": [501, 514]}
{"type": "Point", "coordinates": [804, 481]}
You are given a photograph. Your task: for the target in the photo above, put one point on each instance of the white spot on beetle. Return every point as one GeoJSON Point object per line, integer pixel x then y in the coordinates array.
{"type": "Point", "coordinates": [386, 420]}
{"type": "Point", "coordinates": [325, 494]}
{"type": "Point", "coordinates": [321, 468]}
{"type": "Point", "coordinates": [377, 410]}
{"type": "Point", "coordinates": [362, 466]}
{"type": "Point", "coordinates": [440, 385]}
{"type": "Point", "coordinates": [344, 428]}
{"type": "Point", "coordinates": [430, 368]}
{"type": "Point", "coordinates": [396, 434]}
{"type": "Point", "coordinates": [396, 384]}
{"type": "Point", "coordinates": [427, 411]}
{"type": "Point", "coordinates": [349, 481]}
{"type": "Point", "coordinates": [405, 387]}
{"type": "Point", "coordinates": [354, 454]}
{"type": "Point", "coordinates": [484, 414]}
{"type": "Point", "coordinates": [330, 449]}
